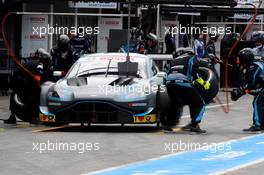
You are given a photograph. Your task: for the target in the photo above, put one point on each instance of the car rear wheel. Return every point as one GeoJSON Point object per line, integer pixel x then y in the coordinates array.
{"type": "Point", "coordinates": [22, 111]}
{"type": "Point", "coordinates": [169, 113]}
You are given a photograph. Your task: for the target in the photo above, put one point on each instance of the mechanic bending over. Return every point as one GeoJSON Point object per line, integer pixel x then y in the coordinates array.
{"type": "Point", "coordinates": [251, 82]}
{"type": "Point", "coordinates": [182, 82]}
{"type": "Point", "coordinates": [63, 56]}
{"type": "Point", "coordinates": [25, 87]}
{"type": "Point", "coordinates": [258, 39]}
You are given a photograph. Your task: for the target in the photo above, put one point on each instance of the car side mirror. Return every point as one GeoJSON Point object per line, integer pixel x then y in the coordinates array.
{"type": "Point", "coordinates": [158, 78]}
{"type": "Point", "coordinates": [161, 74]}
{"type": "Point", "coordinates": [258, 58]}
{"type": "Point", "coordinates": [57, 73]}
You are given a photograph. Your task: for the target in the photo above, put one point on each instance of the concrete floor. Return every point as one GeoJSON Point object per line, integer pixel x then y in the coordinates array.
{"type": "Point", "coordinates": [110, 146]}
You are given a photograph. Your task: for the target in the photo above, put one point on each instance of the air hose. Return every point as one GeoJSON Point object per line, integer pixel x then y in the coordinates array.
{"type": "Point", "coordinates": [232, 49]}
{"type": "Point", "coordinates": [11, 52]}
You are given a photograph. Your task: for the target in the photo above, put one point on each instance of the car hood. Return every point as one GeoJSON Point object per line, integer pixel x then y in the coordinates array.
{"type": "Point", "coordinates": [98, 81]}
{"type": "Point", "coordinates": [99, 88]}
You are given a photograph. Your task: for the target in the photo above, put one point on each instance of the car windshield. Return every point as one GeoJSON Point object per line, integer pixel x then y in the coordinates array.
{"type": "Point", "coordinates": [100, 65]}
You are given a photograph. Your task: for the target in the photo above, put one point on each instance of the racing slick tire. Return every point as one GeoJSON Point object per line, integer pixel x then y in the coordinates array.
{"type": "Point", "coordinates": [209, 65]}
{"type": "Point", "coordinates": [208, 75]}
{"type": "Point", "coordinates": [22, 111]}
{"type": "Point", "coordinates": [168, 114]}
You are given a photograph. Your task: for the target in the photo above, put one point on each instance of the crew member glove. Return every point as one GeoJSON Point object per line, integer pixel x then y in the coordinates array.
{"type": "Point", "coordinates": [205, 84]}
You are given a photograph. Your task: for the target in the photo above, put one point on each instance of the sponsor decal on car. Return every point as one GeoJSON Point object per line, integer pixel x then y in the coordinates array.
{"type": "Point", "coordinates": [47, 118]}
{"type": "Point", "coordinates": [145, 119]}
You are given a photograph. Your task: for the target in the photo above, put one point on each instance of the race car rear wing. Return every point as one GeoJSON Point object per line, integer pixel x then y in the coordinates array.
{"type": "Point", "coordinates": [127, 68]}
{"type": "Point", "coordinates": [161, 57]}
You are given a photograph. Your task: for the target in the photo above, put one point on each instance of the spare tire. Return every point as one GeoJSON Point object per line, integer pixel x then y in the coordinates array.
{"type": "Point", "coordinates": [208, 75]}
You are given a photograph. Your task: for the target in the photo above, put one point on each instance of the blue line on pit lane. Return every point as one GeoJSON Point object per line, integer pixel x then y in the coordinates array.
{"type": "Point", "coordinates": [202, 162]}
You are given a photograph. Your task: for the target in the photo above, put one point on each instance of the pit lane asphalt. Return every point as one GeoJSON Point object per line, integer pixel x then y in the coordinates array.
{"type": "Point", "coordinates": [117, 145]}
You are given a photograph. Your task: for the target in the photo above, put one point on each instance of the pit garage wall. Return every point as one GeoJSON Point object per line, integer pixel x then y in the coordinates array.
{"type": "Point", "coordinates": [87, 21]}
{"type": "Point", "coordinates": [100, 42]}
{"type": "Point", "coordinates": [105, 25]}
{"type": "Point", "coordinates": [31, 41]}
{"type": "Point", "coordinates": [58, 20]}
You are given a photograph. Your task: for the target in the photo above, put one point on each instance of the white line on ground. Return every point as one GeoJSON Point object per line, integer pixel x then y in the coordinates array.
{"type": "Point", "coordinates": [209, 107]}
{"type": "Point", "coordinates": [238, 167]}
{"type": "Point", "coordinates": [215, 106]}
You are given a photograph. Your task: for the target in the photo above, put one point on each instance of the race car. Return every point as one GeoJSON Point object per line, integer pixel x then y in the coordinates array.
{"type": "Point", "coordinates": [105, 88]}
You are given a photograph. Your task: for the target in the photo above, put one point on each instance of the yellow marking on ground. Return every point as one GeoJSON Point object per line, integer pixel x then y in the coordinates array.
{"type": "Point", "coordinates": [177, 129]}
{"type": "Point", "coordinates": [22, 125]}
{"type": "Point", "coordinates": [173, 130]}
{"type": "Point", "coordinates": [2, 130]}
{"type": "Point", "coordinates": [49, 128]}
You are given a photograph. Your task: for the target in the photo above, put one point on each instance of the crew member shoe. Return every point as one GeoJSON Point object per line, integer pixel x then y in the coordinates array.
{"type": "Point", "coordinates": [197, 129]}
{"type": "Point", "coordinates": [11, 119]}
{"type": "Point", "coordinates": [167, 129]}
{"type": "Point", "coordinates": [252, 128]}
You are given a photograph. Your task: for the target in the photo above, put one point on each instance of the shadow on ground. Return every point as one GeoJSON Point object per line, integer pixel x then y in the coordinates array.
{"type": "Point", "coordinates": [104, 128]}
